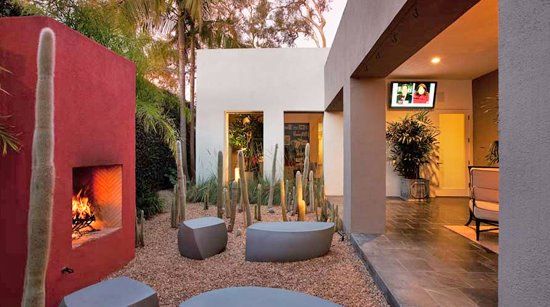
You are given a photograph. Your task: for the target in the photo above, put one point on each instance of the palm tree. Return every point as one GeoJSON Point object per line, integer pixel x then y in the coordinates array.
{"type": "Point", "coordinates": [8, 139]}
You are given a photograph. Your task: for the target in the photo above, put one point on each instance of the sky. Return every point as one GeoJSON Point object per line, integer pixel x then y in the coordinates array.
{"type": "Point", "coordinates": [333, 19]}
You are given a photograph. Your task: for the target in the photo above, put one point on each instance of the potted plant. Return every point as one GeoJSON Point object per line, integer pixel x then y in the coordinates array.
{"type": "Point", "coordinates": [412, 143]}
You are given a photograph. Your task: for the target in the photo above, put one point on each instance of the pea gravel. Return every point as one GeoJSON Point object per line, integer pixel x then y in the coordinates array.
{"type": "Point", "coordinates": [340, 276]}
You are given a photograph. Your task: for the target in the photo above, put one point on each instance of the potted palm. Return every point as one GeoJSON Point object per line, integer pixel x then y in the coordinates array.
{"type": "Point", "coordinates": [412, 143]}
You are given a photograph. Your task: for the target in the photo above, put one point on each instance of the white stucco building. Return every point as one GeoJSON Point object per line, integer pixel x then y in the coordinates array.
{"type": "Point", "coordinates": [272, 82]}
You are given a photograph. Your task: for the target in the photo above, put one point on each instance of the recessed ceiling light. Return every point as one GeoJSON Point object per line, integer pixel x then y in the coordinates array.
{"type": "Point", "coordinates": [435, 60]}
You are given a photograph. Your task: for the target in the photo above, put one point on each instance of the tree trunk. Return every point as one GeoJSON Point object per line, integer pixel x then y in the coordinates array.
{"type": "Point", "coordinates": [193, 69]}
{"type": "Point", "coordinates": [181, 88]}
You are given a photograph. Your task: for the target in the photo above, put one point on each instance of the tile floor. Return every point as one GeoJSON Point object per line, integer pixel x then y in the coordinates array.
{"type": "Point", "coordinates": [418, 262]}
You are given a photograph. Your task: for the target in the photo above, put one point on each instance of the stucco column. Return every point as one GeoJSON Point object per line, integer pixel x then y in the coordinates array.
{"type": "Point", "coordinates": [364, 156]}
{"type": "Point", "coordinates": [524, 77]}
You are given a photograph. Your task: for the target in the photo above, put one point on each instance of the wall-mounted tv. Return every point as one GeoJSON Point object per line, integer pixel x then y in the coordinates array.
{"type": "Point", "coordinates": [412, 94]}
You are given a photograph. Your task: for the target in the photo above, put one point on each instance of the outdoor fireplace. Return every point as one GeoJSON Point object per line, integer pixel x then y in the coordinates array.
{"type": "Point", "coordinates": [96, 203]}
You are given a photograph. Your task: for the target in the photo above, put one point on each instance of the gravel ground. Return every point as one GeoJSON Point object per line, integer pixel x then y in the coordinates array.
{"type": "Point", "coordinates": [340, 276]}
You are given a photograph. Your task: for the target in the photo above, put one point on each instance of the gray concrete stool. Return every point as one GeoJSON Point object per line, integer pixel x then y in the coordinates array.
{"type": "Point", "coordinates": [288, 241]}
{"type": "Point", "coordinates": [255, 296]}
{"type": "Point", "coordinates": [117, 292]}
{"type": "Point", "coordinates": [202, 238]}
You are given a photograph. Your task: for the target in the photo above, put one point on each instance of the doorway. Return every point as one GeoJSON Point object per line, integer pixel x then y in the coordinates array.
{"type": "Point", "coordinates": [453, 160]}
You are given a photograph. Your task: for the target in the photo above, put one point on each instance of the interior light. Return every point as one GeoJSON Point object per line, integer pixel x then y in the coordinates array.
{"type": "Point", "coordinates": [436, 60]}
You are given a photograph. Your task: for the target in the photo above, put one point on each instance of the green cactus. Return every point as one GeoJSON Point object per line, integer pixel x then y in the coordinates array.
{"type": "Point", "coordinates": [181, 182]}
{"type": "Point", "coordinates": [233, 199]}
{"type": "Point", "coordinates": [300, 203]}
{"type": "Point", "coordinates": [220, 185]}
{"type": "Point", "coordinates": [140, 221]}
{"type": "Point", "coordinates": [312, 202]}
{"type": "Point", "coordinates": [42, 176]}
{"type": "Point", "coordinates": [305, 174]}
{"type": "Point", "coordinates": [227, 202]}
{"type": "Point", "coordinates": [244, 189]}
{"type": "Point", "coordinates": [293, 201]}
{"type": "Point", "coordinates": [258, 209]}
{"type": "Point", "coordinates": [174, 209]}
{"type": "Point", "coordinates": [284, 192]}
{"type": "Point", "coordinates": [272, 183]}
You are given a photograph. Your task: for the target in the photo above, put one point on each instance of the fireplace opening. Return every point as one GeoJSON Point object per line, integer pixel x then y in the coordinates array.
{"type": "Point", "coordinates": [96, 204]}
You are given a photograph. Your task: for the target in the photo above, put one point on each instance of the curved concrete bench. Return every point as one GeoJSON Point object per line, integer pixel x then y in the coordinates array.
{"type": "Point", "coordinates": [255, 296]}
{"type": "Point", "coordinates": [121, 291]}
{"type": "Point", "coordinates": [288, 241]}
{"type": "Point", "coordinates": [202, 238]}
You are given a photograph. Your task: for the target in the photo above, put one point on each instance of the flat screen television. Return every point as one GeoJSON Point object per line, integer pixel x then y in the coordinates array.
{"type": "Point", "coordinates": [412, 94]}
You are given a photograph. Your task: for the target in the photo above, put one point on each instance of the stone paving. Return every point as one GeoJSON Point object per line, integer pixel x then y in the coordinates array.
{"type": "Point", "coordinates": [418, 262]}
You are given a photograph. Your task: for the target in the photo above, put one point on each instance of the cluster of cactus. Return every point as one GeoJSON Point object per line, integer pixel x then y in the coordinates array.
{"type": "Point", "coordinates": [178, 206]}
{"type": "Point", "coordinates": [272, 183]}
{"type": "Point", "coordinates": [140, 221]}
{"type": "Point", "coordinates": [42, 176]}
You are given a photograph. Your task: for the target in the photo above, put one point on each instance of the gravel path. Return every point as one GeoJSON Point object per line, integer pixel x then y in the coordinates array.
{"type": "Point", "coordinates": [340, 276]}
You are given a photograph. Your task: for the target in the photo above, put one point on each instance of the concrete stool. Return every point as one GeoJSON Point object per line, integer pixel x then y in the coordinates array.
{"type": "Point", "coordinates": [117, 292]}
{"type": "Point", "coordinates": [202, 238]}
{"type": "Point", "coordinates": [255, 296]}
{"type": "Point", "coordinates": [288, 241]}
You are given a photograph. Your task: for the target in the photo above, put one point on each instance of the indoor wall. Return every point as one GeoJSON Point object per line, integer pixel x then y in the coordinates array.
{"type": "Point", "coordinates": [485, 109]}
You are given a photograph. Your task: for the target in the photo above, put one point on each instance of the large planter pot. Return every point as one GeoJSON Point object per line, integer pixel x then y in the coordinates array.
{"type": "Point", "coordinates": [415, 189]}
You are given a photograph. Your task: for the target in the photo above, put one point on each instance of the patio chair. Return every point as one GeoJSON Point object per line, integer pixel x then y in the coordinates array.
{"type": "Point", "coordinates": [484, 204]}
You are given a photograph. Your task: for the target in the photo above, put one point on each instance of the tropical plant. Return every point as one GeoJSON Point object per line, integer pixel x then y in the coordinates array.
{"type": "Point", "coordinates": [490, 106]}
{"type": "Point", "coordinates": [8, 138]}
{"type": "Point", "coordinates": [246, 133]}
{"type": "Point", "coordinates": [412, 142]}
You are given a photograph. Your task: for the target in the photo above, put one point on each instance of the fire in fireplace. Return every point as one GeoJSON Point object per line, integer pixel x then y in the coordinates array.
{"type": "Point", "coordinates": [96, 202]}
{"type": "Point", "coordinates": [83, 215]}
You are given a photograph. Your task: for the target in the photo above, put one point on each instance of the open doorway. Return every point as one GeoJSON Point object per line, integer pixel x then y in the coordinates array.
{"type": "Point", "coordinates": [245, 132]}
{"type": "Point", "coordinates": [302, 128]}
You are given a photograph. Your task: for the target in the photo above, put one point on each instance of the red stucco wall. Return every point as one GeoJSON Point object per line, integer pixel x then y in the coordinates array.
{"type": "Point", "coordinates": [94, 125]}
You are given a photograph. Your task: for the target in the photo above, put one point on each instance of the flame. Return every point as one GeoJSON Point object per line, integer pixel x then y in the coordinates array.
{"type": "Point", "coordinates": [82, 208]}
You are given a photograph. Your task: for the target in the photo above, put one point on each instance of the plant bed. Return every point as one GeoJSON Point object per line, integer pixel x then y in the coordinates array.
{"type": "Point", "coordinates": [339, 276]}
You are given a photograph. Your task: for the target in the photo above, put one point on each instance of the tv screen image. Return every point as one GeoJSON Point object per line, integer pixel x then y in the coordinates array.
{"type": "Point", "coordinates": [413, 94]}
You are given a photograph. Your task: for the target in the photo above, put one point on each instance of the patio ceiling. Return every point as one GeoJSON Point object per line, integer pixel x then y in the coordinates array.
{"type": "Point", "coordinates": [468, 48]}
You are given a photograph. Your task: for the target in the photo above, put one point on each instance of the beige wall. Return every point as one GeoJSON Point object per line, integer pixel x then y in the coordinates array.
{"type": "Point", "coordinates": [333, 137]}
{"type": "Point", "coordinates": [484, 93]}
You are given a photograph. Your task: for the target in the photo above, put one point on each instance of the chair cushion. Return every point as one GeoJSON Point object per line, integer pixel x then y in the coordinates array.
{"type": "Point", "coordinates": [485, 210]}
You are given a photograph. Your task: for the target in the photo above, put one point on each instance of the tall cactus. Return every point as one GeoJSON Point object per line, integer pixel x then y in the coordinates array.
{"type": "Point", "coordinates": [306, 173]}
{"type": "Point", "coordinates": [233, 199]}
{"type": "Point", "coordinates": [258, 210]}
{"type": "Point", "coordinates": [42, 176]}
{"type": "Point", "coordinates": [174, 208]}
{"type": "Point", "coordinates": [273, 178]}
{"type": "Point", "coordinates": [293, 201]}
{"type": "Point", "coordinates": [140, 221]}
{"type": "Point", "coordinates": [312, 203]}
{"type": "Point", "coordinates": [181, 182]}
{"type": "Point", "coordinates": [300, 198]}
{"type": "Point", "coordinates": [244, 189]}
{"type": "Point", "coordinates": [283, 199]}
{"type": "Point", "coordinates": [220, 185]}
{"type": "Point", "coordinates": [227, 202]}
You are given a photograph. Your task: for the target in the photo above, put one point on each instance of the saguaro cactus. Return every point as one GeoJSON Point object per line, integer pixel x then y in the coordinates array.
{"type": "Point", "coordinates": [283, 199]}
{"type": "Point", "coordinates": [244, 189]}
{"type": "Point", "coordinates": [234, 199]}
{"type": "Point", "coordinates": [181, 182]}
{"type": "Point", "coordinates": [42, 176]}
{"type": "Point", "coordinates": [220, 184]}
{"type": "Point", "coordinates": [258, 210]}
{"type": "Point", "coordinates": [273, 178]}
{"type": "Point", "coordinates": [300, 198]}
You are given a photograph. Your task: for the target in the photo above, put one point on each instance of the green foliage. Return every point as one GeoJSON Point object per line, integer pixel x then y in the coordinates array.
{"type": "Point", "coordinates": [10, 8]}
{"type": "Point", "coordinates": [246, 132]}
{"type": "Point", "coordinates": [154, 161]}
{"type": "Point", "coordinates": [493, 156]}
{"type": "Point", "coordinates": [412, 141]}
